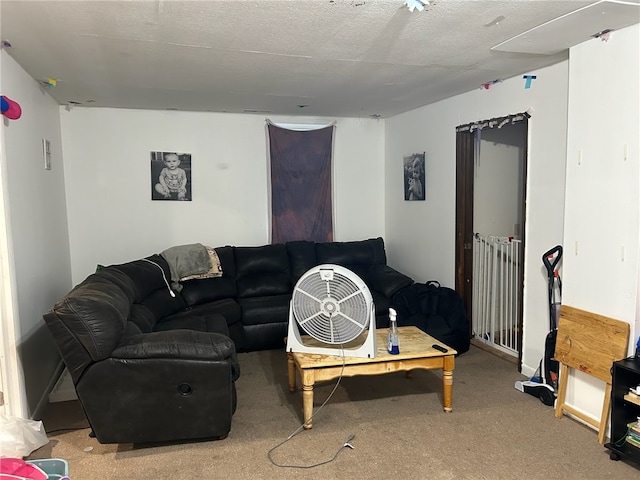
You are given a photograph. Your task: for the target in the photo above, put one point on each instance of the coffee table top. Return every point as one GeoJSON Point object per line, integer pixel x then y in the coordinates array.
{"type": "Point", "coordinates": [414, 343]}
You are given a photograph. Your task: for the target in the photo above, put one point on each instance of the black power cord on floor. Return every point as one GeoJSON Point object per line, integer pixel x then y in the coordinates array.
{"type": "Point", "coordinates": [346, 444]}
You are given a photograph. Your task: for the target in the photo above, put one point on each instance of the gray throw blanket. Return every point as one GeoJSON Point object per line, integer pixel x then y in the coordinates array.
{"type": "Point", "coordinates": [185, 260]}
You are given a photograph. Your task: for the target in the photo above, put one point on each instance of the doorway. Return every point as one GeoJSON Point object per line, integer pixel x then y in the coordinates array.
{"type": "Point", "coordinates": [491, 165]}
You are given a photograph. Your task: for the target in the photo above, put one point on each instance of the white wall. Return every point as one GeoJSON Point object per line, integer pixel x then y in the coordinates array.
{"type": "Point", "coordinates": [420, 236]}
{"type": "Point", "coordinates": [602, 201]}
{"type": "Point", "coordinates": [112, 218]}
{"type": "Point", "coordinates": [38, 241]}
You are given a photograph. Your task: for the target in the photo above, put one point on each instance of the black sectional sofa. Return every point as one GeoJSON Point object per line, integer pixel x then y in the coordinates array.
{"type": "Point", "coordinates": [151, 365]}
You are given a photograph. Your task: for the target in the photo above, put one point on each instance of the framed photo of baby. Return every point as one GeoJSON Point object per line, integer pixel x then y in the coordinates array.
{"type": "Point", "coordinates": [414, 176]}
{"type": "Point", "coordinates": [171, 176]}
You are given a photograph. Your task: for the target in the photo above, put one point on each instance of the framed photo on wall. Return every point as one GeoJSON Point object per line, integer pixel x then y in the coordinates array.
{"type": "Point", "coordinates": [171, 176]}
{"type": "Point", "coordinates": [414, 176]}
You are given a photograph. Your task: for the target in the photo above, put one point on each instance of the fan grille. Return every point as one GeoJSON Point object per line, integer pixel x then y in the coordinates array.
{"type": "Point", "coordinates": [332, 307]}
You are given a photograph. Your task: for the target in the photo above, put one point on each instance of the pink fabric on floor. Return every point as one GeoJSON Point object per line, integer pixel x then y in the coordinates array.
{"type": "Point", "coordinates": [12, 468]}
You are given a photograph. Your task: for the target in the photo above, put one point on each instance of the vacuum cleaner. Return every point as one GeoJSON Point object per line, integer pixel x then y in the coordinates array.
{"type": "Point", "coordinates": [544, 383]}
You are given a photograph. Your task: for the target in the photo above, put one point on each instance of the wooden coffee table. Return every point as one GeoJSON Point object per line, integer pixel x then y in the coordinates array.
{"type": "Point", "coordinates": [416, 351]}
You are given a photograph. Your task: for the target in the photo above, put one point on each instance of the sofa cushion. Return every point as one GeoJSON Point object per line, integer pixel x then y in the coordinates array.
{"type": "Point", "coordinates": [365, 252]}
{"type": "Point", "coordinates": [361, 271]}
{"type": "Point", "coordinates": [266, 336]}
{"type": "Point", "coordinates": [386, 280]}
{"type": "Point", "coordinates": [194, 318]}
{"type": "Point", "coordinates": [262, 310]}
{"type": "Point", "coordinates": [151, 289]}
{"type": "Point", "coordinates": [201, 322]}
{"type": "Point", "coordinates": [227, 260]}
{"type": "Point", "coordinates": [179, 344]}
{"type": "Point", "coordinates": [160, 303]}
{"type": "Point", "coordinates": [121, 280]}
{"type": "Point", "coordinates": [302, 256]}
{"type": "Point", "coordinates": [196, 292]}
{"type": "Point", "coordinates": [228, 308]}
{"type": "Point", "coordinates": [262, 271]}
{"type": "Point", "coordinates": [142, 317]}
{"type": "Point", "coordinates": [146, 275]}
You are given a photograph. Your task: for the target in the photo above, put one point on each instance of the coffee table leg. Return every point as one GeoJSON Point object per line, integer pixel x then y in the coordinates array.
{"type": "Point", "coordinates": [447, 383]}
{"type": "Point", "coordinates": [307, 397]}
{"type": "Point", "coordinates": [291, 366]}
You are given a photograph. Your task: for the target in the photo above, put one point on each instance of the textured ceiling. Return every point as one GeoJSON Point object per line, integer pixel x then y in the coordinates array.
{"type": "Point", "coordinates": [294, 57]}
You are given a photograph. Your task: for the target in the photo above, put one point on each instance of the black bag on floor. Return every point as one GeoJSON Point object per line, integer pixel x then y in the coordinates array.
{"type": "Point", "coordinates": [438, 311]}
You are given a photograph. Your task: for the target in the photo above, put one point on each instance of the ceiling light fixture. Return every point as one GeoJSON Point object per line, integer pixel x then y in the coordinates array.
{"type": "Point", "coordinates": [413, 4]}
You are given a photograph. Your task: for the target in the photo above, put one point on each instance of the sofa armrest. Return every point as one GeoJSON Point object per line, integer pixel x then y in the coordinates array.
{"type": "Point", "coordinates": [181, 345]}
{"type": "Point", "coordinates": [386, 280]}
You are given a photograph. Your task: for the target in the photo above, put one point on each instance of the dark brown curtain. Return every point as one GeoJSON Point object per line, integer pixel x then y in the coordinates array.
{"type": "Point", "coordinates": [301, 207]}
{"type": "Point", "coordinates": [465, 149]}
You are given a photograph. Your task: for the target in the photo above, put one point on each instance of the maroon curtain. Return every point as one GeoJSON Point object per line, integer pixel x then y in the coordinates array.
{"type": "Point", "coordinates": [301, 184]}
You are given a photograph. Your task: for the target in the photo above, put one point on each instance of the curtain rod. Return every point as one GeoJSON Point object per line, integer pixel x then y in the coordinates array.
{"type": "Point", "coordinates": [498, 122]}
{"type": "Point", "coordinates": [299, 126]}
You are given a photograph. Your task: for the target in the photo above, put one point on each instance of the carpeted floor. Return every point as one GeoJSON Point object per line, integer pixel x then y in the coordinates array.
{"type": "Point", "coordinates": [401, 432]}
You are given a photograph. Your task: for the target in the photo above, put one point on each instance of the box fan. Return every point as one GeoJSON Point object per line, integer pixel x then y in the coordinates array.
{"type": "Point", "coordinates": [334, 306]}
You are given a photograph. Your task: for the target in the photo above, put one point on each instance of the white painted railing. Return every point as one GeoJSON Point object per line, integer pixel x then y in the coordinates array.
{"type": "Point", "coordinates": [497, 274]}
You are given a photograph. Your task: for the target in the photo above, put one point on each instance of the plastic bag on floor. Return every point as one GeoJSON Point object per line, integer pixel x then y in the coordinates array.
{"type": "Point", "coordinates": [19, 436]}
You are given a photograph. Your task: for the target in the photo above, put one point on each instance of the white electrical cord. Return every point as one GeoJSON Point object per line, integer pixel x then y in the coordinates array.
{"type": "Point", "coordinates": [347, 444]}
{"type": "Point", "coordinates": [163, 275]}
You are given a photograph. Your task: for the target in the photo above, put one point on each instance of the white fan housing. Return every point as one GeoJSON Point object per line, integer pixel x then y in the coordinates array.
{"type": "Point", "coordinates": [334, 306]}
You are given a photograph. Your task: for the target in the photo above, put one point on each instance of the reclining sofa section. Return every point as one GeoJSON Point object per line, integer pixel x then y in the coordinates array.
{"type": "Point", "coordinates": [151, 365]}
